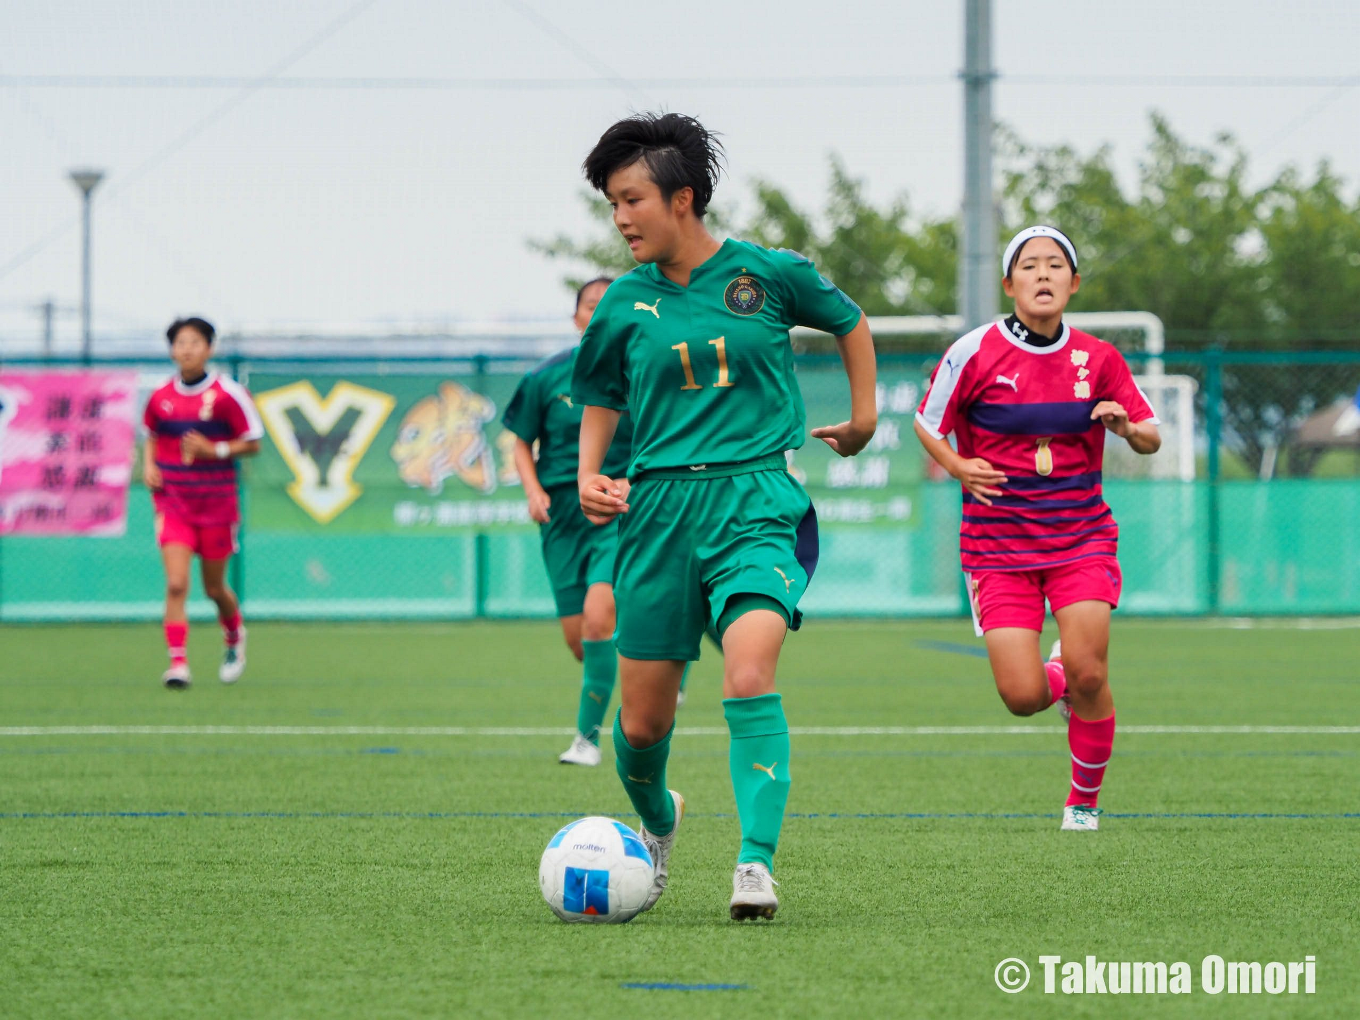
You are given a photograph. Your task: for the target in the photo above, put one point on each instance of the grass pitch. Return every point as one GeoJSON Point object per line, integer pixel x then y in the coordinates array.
{"type": "Point", "coordinates": [345, 866]}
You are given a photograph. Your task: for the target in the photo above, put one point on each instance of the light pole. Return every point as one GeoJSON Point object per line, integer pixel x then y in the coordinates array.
{"type": "Point", "coordinates": [86, 181]}
{"type": "Point", "coordinates": [977, 260]}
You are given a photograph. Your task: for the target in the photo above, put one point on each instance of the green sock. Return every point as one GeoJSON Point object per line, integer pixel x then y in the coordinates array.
{"type": "Point", "coordinates": [684, 677]}
{"type": "Point", "coordinates": [597, 684]}
{"type": "Point", "coordinates": [759, 759]}
{"type": "Point", "coordinates": [644, 778]}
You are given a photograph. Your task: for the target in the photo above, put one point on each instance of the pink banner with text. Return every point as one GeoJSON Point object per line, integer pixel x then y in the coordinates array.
{"type": "Point", "coordinates": [66, 444]}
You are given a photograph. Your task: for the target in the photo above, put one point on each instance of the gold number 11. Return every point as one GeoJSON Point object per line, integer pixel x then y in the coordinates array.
{"type": "Point", "coordinates": [723, 375]}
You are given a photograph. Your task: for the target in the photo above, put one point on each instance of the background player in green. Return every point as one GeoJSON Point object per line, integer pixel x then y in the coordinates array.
{"type": "Point", "coordinates": [579, 556]}
{"type": "Point", "coordinates": [694, 343]}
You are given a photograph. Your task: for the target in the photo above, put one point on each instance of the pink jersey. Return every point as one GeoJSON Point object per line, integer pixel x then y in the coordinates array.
{"type": "Point", "coordinates": [204, 492]}
{"type": "Point", "coordinates": [1026, 410]}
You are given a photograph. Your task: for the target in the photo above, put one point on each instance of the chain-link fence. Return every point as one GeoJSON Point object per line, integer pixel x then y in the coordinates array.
{"type": "Point", "coordinates": [386, 489]}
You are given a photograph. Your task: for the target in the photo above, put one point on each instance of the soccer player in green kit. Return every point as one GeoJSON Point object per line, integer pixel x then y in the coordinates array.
{"type": "Point", "coordinates": [579, 556]}
{"type": "Point", "coordinates": [694, 344]}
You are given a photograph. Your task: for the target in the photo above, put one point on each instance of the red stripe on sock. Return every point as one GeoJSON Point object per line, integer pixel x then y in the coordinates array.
{"type": "Point", "coordinates": [1091, 744]}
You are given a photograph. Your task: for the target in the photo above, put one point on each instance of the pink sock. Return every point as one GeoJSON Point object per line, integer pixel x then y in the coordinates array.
{"type": "Point", "coordinates": [176, 637]}
{"type": "Point", "coordinates": [1057, 681]}
{"type": "Point", "coordinates": [231, 627]}
{"type": "Point", "coordinates": [1091, 744]}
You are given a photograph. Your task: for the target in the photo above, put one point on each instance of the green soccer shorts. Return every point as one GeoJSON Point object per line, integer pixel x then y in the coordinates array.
{"type": "Point", "coordinates": [576, 552]}
{"type": "Point", "coordinates": [693, 540]}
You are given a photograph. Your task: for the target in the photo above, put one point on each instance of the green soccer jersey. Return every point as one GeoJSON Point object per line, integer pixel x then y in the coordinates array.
{"type": "Point", "coordinates": [543, 411]}
{"type": "Point", "coordinates": [707, 370]}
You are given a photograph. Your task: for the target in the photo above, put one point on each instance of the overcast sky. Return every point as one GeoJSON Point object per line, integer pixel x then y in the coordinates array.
{"type": "Point", "coordinates": [294, 203]}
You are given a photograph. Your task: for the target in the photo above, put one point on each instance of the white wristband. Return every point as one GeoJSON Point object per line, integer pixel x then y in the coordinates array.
{"type": "Point", "coordinates": [223, 450]}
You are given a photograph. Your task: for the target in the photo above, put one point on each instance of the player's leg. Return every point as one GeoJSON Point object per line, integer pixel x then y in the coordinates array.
{"type": "Point", "coordinates": [642, 747]}
{"type": "Point", "coordinates": [753, 629]}
{"type": "Point", "coordinates": [177, 553]}
{"type": "Point", "coordinates": [660, 621]}
{"type": "Point", "coordinates": [1009, 608]}
{"type": "Point", "coordinates": [762, 551]}
{"type": "Point", "coordinates": [1085, 630]}
{"type": "Point", "coordinates": [215, 586]}
{"type": "Point", "coordinates": [571, 634]}
{"type": "Point", "coordinates": [599, 667]}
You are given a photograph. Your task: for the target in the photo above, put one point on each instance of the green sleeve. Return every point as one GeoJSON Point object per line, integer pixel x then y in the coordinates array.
{"type": "Point", "coordinates": [524, 414]}
{"type": "Point", "coordinates": [598, 379]}
{"type": "Point", "coordinates": [811, 298]}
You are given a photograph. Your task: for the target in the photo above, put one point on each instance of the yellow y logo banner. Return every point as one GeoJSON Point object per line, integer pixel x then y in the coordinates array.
{"type": "Point", "coordinates": [323, 441]}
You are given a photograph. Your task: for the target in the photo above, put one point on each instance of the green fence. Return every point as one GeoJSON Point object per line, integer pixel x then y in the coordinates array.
{"type": "Point", "coordinates": [386, 490]}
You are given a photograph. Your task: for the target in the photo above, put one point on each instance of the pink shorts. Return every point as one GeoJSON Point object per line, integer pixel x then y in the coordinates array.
{"type": "Point", "coordinates": [211, 541]}
{"type": "Point", "coordinates": [1015, 598]}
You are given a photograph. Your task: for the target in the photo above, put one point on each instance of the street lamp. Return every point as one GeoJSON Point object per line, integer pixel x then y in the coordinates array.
{"type": "Point", "coordinates": [86, 180]}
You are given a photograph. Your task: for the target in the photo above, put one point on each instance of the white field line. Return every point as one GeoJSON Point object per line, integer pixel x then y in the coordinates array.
{"type": "Point", "coordinates": [560, 731]}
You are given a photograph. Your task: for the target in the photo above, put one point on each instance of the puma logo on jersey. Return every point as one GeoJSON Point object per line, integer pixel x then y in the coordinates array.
{"type": "Point", "coordinates": [648, 780]}
{"type": "Point", "coordinates": [566, 399]}
{"type": "Point", "coordinates": [788, 581]}
{"type": "Point", "coordinates": [768, 771]}
{"type": "Point", "coordinates": [642, 306]}
{"type": "Point", "coordinates": [1012, 383]}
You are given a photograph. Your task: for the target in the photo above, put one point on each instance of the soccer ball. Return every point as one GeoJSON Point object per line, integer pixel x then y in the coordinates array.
{"type": "Point", "coordinates": [596, 869]}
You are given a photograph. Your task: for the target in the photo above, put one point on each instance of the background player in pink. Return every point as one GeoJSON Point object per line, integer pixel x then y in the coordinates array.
{"type": "Point", "coordinates": [200, 423]}
{"type": "Point", "coordinates": [1029, 401]}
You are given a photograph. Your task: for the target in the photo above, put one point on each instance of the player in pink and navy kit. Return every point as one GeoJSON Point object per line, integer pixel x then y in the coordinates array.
{"type": "Point", "coordinates": [1029, 401]}
{"type": "Point", "coordinates": [199, 423]}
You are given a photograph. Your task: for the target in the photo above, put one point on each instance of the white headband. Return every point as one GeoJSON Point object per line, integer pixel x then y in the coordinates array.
{"type": "Point", "coordinates": [1029, 234]}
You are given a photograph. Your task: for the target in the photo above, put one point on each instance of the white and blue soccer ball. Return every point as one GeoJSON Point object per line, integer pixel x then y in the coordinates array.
{"type": "Point", "coordinates": [596, 870]}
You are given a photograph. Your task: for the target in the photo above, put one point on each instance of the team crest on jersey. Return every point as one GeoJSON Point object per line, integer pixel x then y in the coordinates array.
{"type": "Point", "coordinates": [323, 441]}
{"type": "Point", "coordinates": [744, 295]}
{"type": "Point", "coordinates": [205, 410]}
{"type": "Point", "coordinates": [443, 436]}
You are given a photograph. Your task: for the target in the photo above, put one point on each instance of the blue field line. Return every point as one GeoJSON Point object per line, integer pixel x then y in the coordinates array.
{"type": "Point", "coordinates": [953, 646]}
{"type": "Point", "coordinates": [807, 816]}
{"type": "Point", "coordinates": [674, 986]}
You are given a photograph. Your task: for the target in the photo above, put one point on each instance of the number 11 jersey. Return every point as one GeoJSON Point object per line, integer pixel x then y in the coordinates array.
{"type": "Point", "coordinates": [706, 371]}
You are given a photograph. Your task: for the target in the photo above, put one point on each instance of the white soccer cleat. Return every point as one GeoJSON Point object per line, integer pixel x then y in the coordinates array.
{"type": "Point", "coordinates": [1065, 702]}
{"type": "Point", "coordinates": [753, 893]}
{"type": "Point", "coordinates": [1080, 818]}
{"type": "Point", "coordinates": [233, 660]}
{"type": "Point", "coordinates": [177, 677]}
{"type": "Point", "coordinates": [660, 848]}
{"type": "Point", "coordinates": [581, 752]}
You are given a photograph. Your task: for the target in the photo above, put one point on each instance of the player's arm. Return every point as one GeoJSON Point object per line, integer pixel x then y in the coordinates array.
{"type": "Point", "coordinates": [602, 498]}
{"type": "Point", "coordinates": [1142, 436]}
{"type": "Point", "coordinates": [857, 355]}
{"type": "Point", "coordinates": [197, 446]}
{"type": "Point", "coordinates": [151, 473]}
{"type": "Point", "coordinates": [974, 474]}
{"type": "Point", "coordinates": [534, 492]}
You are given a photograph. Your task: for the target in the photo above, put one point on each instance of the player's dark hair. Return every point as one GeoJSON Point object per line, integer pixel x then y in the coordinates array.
{"type": "Point", "coordinates": [678, 152]}
{"type": "Point", "coordinates": [201, 325]}
{"type": "Point", "coordinates": [581, 291]}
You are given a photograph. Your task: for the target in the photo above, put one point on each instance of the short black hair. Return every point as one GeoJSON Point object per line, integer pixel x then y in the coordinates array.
{"type": "Point", "coordinates": [581, 291]}
{"type": "Point", "coordinates": [202, 325]}
{"type": "Point", "coordinates": [678, 152]}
